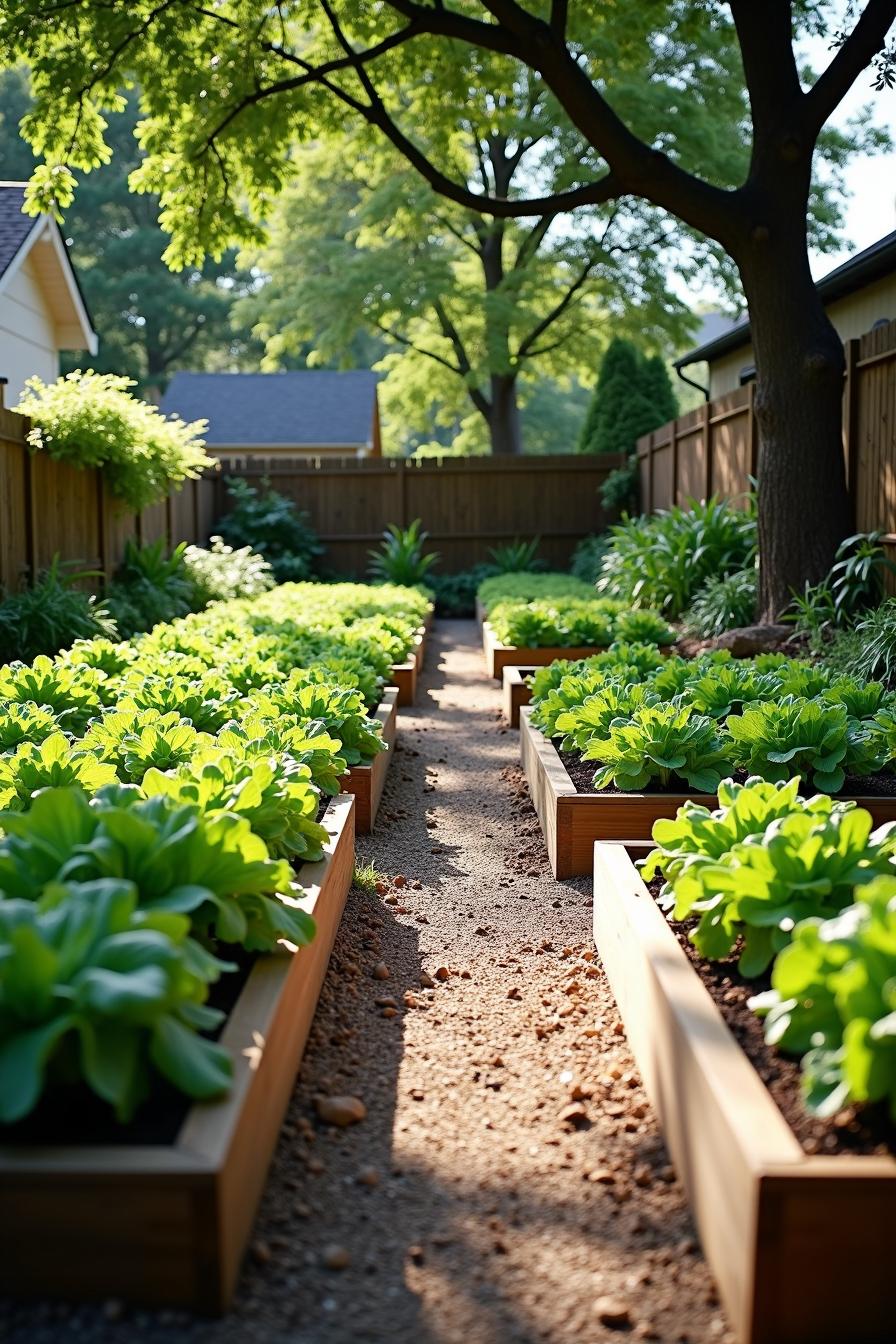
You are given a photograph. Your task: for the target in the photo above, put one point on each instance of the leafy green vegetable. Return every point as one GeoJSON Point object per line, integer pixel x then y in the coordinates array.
{"type": "Point", "coordinates": [49, 764]}
{"type": "Point", "coordinates": [116, 994]}
{"type": "Point", "coordinates": [804, 864]}
{"type": "Point", "coordinates": [792, 736]}
{"type": "Point", "coordinates": [211, 868]}
{"type": "Point", "coordinates": [659, 743]}
{"type": "Point", "coordinates": [73, 693]}
{"type": "Point", "coordinates": [592, 719]}
{"type": "Point", "coordinates": [273, 793]}
{"type": "Point", "coordinates": [833, 1000]}
{"type": "Point", "coordinates": [25, 722]}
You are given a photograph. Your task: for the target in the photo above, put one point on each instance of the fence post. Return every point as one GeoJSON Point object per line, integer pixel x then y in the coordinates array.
{"type": "Point", "coordinates": [707, 448]}
{"type": "Point", "coordinates": [30, 517]}
{"type": "Point", "coordinates": [851, 416]}
{"type": "Point", "coordinates": [674, 500]}
{"type": "Point", "coordinates": [101, 535]}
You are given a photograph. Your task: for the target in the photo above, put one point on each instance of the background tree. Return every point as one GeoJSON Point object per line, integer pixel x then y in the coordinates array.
{"type": "Point", "coordinates": [229, 88]}
{"type": "Point", "coordinates": [150, 320]}
{"type": "Point", "coordinates": [360, 242]}
{"type": "Point", "coordinates": [633, 396]}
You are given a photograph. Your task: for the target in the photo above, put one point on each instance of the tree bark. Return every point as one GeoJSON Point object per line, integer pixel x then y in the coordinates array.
{"type": "Point", "coordinates": [504, 418]}
{"type": "Point", "coordinates": [804, 508]}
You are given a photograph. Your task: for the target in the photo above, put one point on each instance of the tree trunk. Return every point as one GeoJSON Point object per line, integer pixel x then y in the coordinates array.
{"type": "Point", "coordinates": [504, 417]}
{"type": "Point", "coordinates": [804, 509]}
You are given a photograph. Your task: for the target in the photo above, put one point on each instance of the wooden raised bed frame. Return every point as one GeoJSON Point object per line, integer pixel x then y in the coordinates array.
{"type": "Point", "coordinates": [366, 781]}
{"type": "Point", "coordinates": [404, 675]}
{"type": "Point", "coordinates": [799, 1245]}
{"type": "Point", "coordinates": [498, 655]}
{"type": "Point", "coordinates": [516, 692]}
{"type": "Point", "coordinates": [572, 821]}
{"type": "Point", "coordinates": [166, 1225]}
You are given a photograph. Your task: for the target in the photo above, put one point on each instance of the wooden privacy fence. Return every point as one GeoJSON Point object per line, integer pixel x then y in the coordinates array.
{"type": "Point", "coordinates": [467, 505]}
{"type": "Point", "coordinates": [49, 508]}
{"type": "Point", "coordinates": [714, 450]}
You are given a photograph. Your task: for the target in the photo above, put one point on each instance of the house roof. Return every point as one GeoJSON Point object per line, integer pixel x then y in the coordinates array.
{"type": "Point", "coordinates": [872, 264]}
{"type": "Point", "coordinates": [39, 237]}
{"type": "Point", "coordinates": [313, 408]}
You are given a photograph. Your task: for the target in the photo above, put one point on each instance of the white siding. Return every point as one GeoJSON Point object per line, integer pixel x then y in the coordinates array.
{"type": "Point", "coordinates": [853, 316]}
{"type": "Point", "coordinates": [27, 337]}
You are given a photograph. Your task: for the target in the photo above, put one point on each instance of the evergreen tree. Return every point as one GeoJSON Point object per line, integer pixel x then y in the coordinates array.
{"type": "Point", "coordinates": [629, 400]}
{"type": "Point", "coordinates": [659, 391]}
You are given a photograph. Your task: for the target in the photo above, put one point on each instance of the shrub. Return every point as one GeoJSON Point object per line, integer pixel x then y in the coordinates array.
{"type": "Point", "coordinates": [150, 586]}
{"type": "Point", "coordinates": [219, 572]}
{"type": "Point", "coordinates": [51, 616]}
{"type": "Point", "coordinates": [91, 420]}
{"type": "Point", "coordinates": [621, 491]}
{"type": "Point", "coordinates": [662, 560]}
{"type": "Point", "coordinates": [587, 556]}
{"type": "Point", "coordinates": [632, 397]}
{"type": "Point", "coordinates": [271, 525]}
{"type": "Point", "coordinates": [400, 557]}
{"type": "Point", "coordinates": [455, 594]}
{"type": "Point", "coordinates": [723, 602]}
{"type": "Point", "coordinates": [854, 584]}
{"type": "Point", "coordinates": [517, 557]}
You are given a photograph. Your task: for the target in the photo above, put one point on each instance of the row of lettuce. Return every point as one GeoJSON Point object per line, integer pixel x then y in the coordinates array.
{"type": "Point", "coordinates": [539, 611]}
{"type": "Point", "coordinates": [796, 886]}
{"type": "Point", "coordinates": [803, 887]}
{"type": "Point", "coordinates": [155, 795]}
{"type": "Point", "coordinates": [649, 721]}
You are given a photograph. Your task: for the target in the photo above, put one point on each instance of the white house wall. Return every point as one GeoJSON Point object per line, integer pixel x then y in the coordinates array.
{"type": "Point", "coordinates": [27, 334]}
{"type": "Point", "coordinates": [853, 316]}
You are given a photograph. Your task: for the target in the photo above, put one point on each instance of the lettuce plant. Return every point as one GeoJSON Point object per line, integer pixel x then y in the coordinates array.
{"type": "Point", "coordinates": [49, 764]}
{"type": "Point", "coordinates": [659, 744]}
{"type": "Point", "coordinates": [561, 623]}
{"type": "Point", "coordinates": [213, 869]}
{"type": "Point", "coordinates": [805, 864]}
{"type": "Point", "coordinates": [25, 722]}
{"type": "Point", "coordinates": [73, 693]}
{"type": "Point", "coordinates": [643, 627]}
{"type": "Point", "coordinates": [163, 742]}
{"type": "Point", "coordinates": [340, 713]}
{"type": "Point", "coordinates": [94, 988]}
{"type": "Point", "coordinates": [592, 719]}
{"type": "Point", "coordinates": [727, 688]}
{"type": "Point", "coordinates": [792, 736]}
{"type": "Point", "coordinates": [699, 835]}
{"type": "Point", "coordinates": [860, 699]}
{"type": "Point", "coordinates": [302, 741]}
{"type": "Point", "coordinates": [207, 703]}
{"type": "Point", "coordinates": [273, 793]}
{"type": "Point", "coordinates": [833, 1001]}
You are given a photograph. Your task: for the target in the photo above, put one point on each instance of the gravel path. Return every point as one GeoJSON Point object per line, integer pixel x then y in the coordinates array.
{"type": "Point", "coordinates": [509, 1184]}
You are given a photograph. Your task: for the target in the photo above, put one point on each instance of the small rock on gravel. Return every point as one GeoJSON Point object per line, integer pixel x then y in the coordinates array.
{"type": "Point", "coordinates": [335, 1257]}
{"type": "Point", "coordinates": [340, 1111]}
{"type": "Point", "coordinates": [381, 971]}
{"type": "Point", "coordinates": [612, 1311]}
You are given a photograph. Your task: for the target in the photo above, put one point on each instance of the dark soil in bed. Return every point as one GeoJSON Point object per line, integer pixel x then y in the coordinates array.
{"type": "Point", "coordinates": [859, 1131]}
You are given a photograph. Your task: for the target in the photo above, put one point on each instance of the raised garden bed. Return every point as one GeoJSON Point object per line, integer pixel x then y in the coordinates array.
{"type": "Point", "coordinates": [498, 655]}
{"type": "Point", "coordinates": [166, 1223]}
{"type": "Point", "coordinates": [516, 692]}
{"type": "Point", "coordinates": [366, 781]}
{"type": "Point", "coordinates": [797, 1244]}
{"type": "Point", "coordinates": [572, 821]}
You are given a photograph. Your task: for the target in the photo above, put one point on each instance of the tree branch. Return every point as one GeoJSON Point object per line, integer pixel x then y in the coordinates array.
{"type": "Point", "coordinates": [525, 348]}
{"type": "Point", "coordinates": [858, 51]}
{"type": "Point", "coordinates": [411, 345]}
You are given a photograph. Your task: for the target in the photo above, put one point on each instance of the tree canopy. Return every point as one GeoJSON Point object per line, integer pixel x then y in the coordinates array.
{"type": "Point", "coordinates": [150, 320]}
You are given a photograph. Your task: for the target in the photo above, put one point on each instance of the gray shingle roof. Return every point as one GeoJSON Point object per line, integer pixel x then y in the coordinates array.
{"type": "Point", "coordinates": [304, 408]}
{"type": "Point", "coordinates": [14, 226]}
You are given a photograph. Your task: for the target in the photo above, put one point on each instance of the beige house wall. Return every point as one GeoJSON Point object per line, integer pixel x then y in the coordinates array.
{"type": "Point", "coordinates": [853, 316]}
{"type": "Point", "coordinates": [28, 343]}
